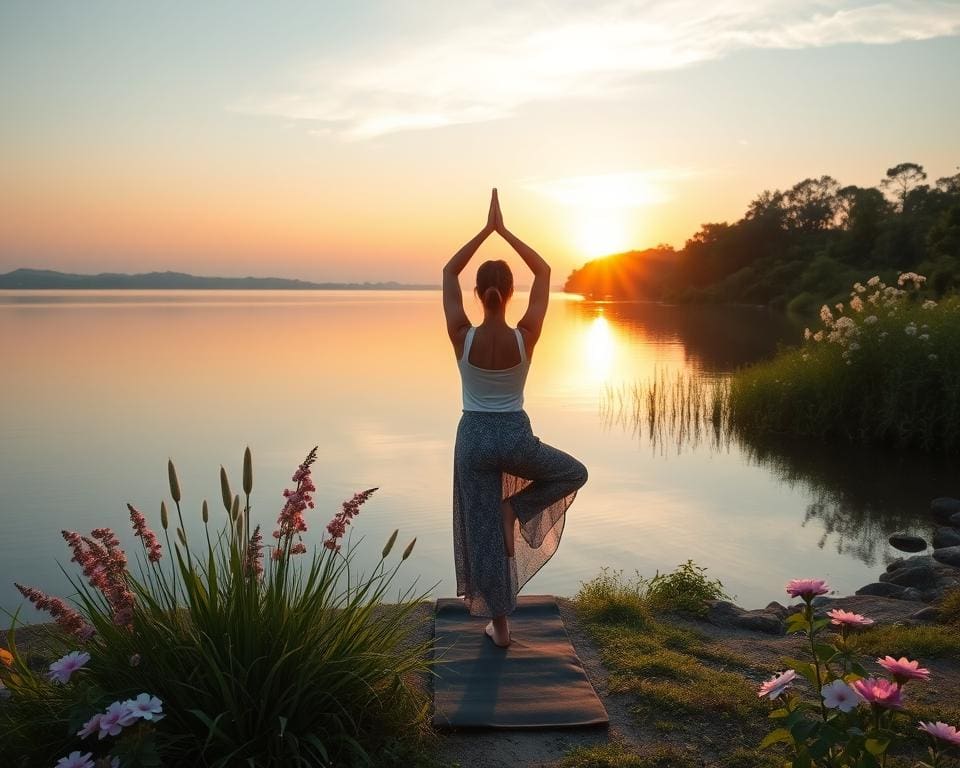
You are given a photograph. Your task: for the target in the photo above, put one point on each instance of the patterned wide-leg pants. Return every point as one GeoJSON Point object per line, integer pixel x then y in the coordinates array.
{"type": "Point", "coordinates": [498, 457]}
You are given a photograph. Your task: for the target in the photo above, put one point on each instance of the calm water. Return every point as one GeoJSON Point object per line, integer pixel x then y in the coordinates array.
{"type": "Point", "coordinates": [99, 388]}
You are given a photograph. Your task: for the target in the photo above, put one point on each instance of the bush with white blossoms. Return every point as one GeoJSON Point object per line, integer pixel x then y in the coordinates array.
{"type": "Point", "coordinates": [882, 368]}
{"type": "Point", "coordinates": [852, 720]}
{"type": "Point", "coordinates": [217, 650]}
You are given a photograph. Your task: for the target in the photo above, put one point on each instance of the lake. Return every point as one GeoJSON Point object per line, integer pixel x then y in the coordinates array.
{"type": "Point", "coordinates": [100, 388]}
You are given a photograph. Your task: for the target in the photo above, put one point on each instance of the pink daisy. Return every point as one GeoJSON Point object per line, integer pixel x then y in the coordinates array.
{"type": "Point", "coordinates": [777, 684]}
{"type": "Point", "coordinates": [879, 691]}
{"type": "Point", "coordinates": [807, 588]}
{"type": "Point", "coordinates": [62, 669]}
{"type": "Point", "coordinates": [76, 760]}
{"type": "Point", "coordinates": [844, 618]}
{"type": "Point", "coordinates": [903, 669]}
{"type": "Point", "coordinates": [941, 731]}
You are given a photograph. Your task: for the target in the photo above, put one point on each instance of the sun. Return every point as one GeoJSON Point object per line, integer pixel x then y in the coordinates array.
{"type": "Point", "coordinates": [601, 232]}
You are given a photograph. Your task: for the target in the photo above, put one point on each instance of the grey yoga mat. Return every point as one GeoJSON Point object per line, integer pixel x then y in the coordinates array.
{"type": "Point", "coordinates": [536, 682]}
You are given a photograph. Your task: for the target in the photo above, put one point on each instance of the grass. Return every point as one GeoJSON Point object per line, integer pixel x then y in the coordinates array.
{"type": "Point", "coordinates": [923, 641]}
{"type": "Point", "coordinates": [950, 608]}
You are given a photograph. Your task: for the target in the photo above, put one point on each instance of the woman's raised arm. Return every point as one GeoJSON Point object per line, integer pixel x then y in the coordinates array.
{"type": "Point", "coordinates": [457, 321]}
{"type": "Point", "coordinates": [532, 320]}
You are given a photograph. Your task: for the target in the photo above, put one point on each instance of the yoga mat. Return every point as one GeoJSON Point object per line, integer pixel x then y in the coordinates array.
{"type": "Point", "coordinates": [536, 682]}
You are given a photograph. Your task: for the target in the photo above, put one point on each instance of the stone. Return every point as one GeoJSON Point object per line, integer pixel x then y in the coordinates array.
{"type": "Point", "coordinates": [905, 542]}
{"type": "Point", "coordinates": [892, 566]}
{"type": "Point", "coordinates": [926, 614]}
{"type": "Point", "coordinates": [955, 519]}
{"type": "Point", "coordinates": [914, 594]}
{"type": "Point", "coordinates": [726, 614]}
{"type": "Point", "coordinates": [776, 609]}
{"type": "Point", "coordinates": [946, 537]}
{"type": "Point", "coordinates": [881, 589]}
{"type": "Point", "coordinates": [948, 556]}
{"type": "Point", "coordinates": [920, 576]}
{"type": "Point", "coordinates": [883, 610]}
{"type": "Point", "coordinates": [944, 508]}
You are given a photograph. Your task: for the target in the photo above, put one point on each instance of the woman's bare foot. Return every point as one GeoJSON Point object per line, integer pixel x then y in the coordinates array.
{"type": "Point", "coordinates": [500, 635]}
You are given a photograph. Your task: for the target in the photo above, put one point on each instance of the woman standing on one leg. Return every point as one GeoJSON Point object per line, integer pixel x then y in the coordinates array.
{"type": "Point", "coordinates": [510, 490]}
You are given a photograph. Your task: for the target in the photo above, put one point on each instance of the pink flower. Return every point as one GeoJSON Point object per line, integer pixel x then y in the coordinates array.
{"type": "Point", "coordinates": [903, 669]}
{"type": "Point", "coordinates": [114, 719]}
{"type": "Point", "coordinates": [807, 588]}
{"type": "Point", "coordinates": [844, 618]}
{"type": "Point", "coordinates": [839, 695]}
{"type": "Point", "coordinates": [290, 520]}
{"type": "Point", "coordinates": [941, 731]}
{"type": "Point", "coordinates": [145, 707]}
{"type": "Point", "coordinates": [879, 691]}
{"type": "Point", "coordinates": [777, 684]}
{"type": "Point", "coordinates": [148, 537]}
{"type": "Point", "coordinates": [62, 669]}
{"type": "Point", "coordinates": [76, 760]}
{"type": "Point", "coordinates": [350, 509]}
{"type": "Point", "coordinates": [254, 560]}
{"type": "Point", "coordinates": [90, 727]}
{"type": "Point", "coordinates": [68, 619]}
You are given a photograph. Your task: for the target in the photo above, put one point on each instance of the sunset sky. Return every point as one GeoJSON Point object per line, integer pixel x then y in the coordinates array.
{"type": "Point", "coordinates": [359, 140]}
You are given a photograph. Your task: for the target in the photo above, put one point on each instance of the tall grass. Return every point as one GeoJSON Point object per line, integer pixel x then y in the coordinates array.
{"type": "Point", "coordinates": [289, 661]}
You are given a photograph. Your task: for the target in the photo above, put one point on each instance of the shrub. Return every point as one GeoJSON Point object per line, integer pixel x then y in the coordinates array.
{"type": "Point", "coordinates": [246, 659]}
{"type": "Point", "coordinates": [884, 370]}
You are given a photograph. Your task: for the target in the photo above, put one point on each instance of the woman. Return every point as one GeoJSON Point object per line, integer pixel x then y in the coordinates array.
{"type": "Point", "coordinates": [510, 490]}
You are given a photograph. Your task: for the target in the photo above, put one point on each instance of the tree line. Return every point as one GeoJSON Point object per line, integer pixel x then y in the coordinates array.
{"type": "Point", "coordinates": [798, 247]}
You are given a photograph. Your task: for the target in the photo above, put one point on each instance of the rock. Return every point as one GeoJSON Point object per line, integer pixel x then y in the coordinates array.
{"type": "Point", "coordinates": [883, 610]}
{"type": "Point", "coordinates": [920, 576]}
{"type": "Point", "coordinates": [955, 519]}
{"type": "Point", "coordinates": [926, 614]}
{"type": "Point", "coordinates": [944, 508]}
{"type": "Point", "coordinates": [948, 556]}
{"type": "Point", "coordinates": [895, 564]}
{"type": "Point", "coordinates": [776, 609]}
{"type": "Point", "coordinates": [725, 614]}
{"type": "Point", "coordinates": [907, 543]}
{"type": "Point", "coordinates": [946, 537]}
{"type": "Point", "coordinates": [881, 589]}
{"type": "Point", "coordinates": [912, 593]}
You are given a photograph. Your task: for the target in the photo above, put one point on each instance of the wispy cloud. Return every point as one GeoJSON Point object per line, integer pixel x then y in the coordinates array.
{"type": "Point", "coordinates": [488, 70]}
{"type": "Point", "coordinates": [633, 189]}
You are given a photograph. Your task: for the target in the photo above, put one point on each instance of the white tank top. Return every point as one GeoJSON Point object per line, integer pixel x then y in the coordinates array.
{"type": "Point", "coordinates": [490, 390]}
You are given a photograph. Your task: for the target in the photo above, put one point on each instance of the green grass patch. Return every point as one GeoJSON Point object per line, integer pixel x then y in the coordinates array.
{"type": "Point", "coordinates": [949, 608]}
{"type": "Point", "coordinates": [616, 755]}
{"type": "Point", "coordinates": [896, 640]}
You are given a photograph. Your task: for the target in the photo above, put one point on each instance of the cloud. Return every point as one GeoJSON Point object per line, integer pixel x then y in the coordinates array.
{"type": "Point", "coordinates": [489, 70]}
{"type": "Point", "coordinates": [634, 189]}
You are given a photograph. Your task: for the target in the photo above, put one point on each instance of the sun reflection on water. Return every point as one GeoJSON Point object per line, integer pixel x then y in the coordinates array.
{"type": "Point", "coordinates": [599, 349]}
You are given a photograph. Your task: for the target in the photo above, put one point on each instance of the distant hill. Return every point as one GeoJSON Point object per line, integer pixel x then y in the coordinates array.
{"type": "Point", "coordinates": [26, 279]}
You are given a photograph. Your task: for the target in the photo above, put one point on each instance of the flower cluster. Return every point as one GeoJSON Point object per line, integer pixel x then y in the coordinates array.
{"type": "Point", "coordinates": [338, 526]}
{"type": "Point", "coordinates": [148, 537]}
{"type": "Point", "coordinates": [122, 714]}
{"type": "Point", "coordinates": [253, 562]}
{"type": "Point", "coordinates": [291, 522]}
{"type": "Point", "coordinates": [841, 730]}
{"type": "Point", "coordinates": [105, 566]}
{"type": "Point", "coordinates": [67, 618]}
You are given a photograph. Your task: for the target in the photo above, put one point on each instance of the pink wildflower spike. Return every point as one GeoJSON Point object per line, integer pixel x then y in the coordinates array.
{"type": "Point", "coordinates": [349, 509]}
{"type": "Point", "coordinates": [903, 669]}
{"type": "Point", "coordinates": [777, 684]}
{"type": "Point", "coordinates": [807, 588]}
{"type": "Point", "coordinates": [879, 691]}
{"type": "Point", "coordinates": [147, 536]}
{"type": "Point", "coordinates": [67, 618]}
{"type": "Point", "coordinates": [290, 520]}
{"type": "Point", "coordinates": [941, 731]}
{"type": "Point", "coordinates": [843, 618]}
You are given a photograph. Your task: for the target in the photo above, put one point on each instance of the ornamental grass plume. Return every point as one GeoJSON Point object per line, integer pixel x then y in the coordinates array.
{"type": "Point", "coordinates": [174, 481]}
{"type": "Point", "coordinates": [140, 529]}
{"type": "Point", "coordinates": [67, 618]}
{"type": "Point", "coordinates": [225, 493]}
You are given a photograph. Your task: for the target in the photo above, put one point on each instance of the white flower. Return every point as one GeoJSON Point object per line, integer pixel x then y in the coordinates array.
{"type": "Point", "coordinates": [76, 760]}
{"type": "Point", "coordinates": [849, 362]}
{"type": "Point", "coordinates": [928, 304]}
{"type": "Point", "coordinates": [854, 346]}
{"type": "Point", "coordinates": [924, 337]}
{"type": "Point", "coordinates": [146, 707]}
{"type": "Point", "coordinates": [856, 304]}
{"type": "Point", "coordinates": [62, 669]}
{"type": "Point", "coordinates": [807, 334]}
{"type": "Point", "coordinates": [839, 306]}
{"type": "Point", "coordinates": [859, 287]}
{"type": "Point", "coordinates": [883, 335]}
{"type": "Point", "coordinates": [932, 358]}
{"type": "Point", "coordinates": [910, 330]}
{"type": "Point", "coordinates": [873, 280]}
{"type": "Point", "coordinates": [826, 316]}
{"type": "Point", "coordinates": [846, 354]}
{"type": "Point", "coordinates": [818, 336]}
{"type": "Point", "coordinates": [839, 695]}
{"type": "Point", "coordinates": [870, 319]}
